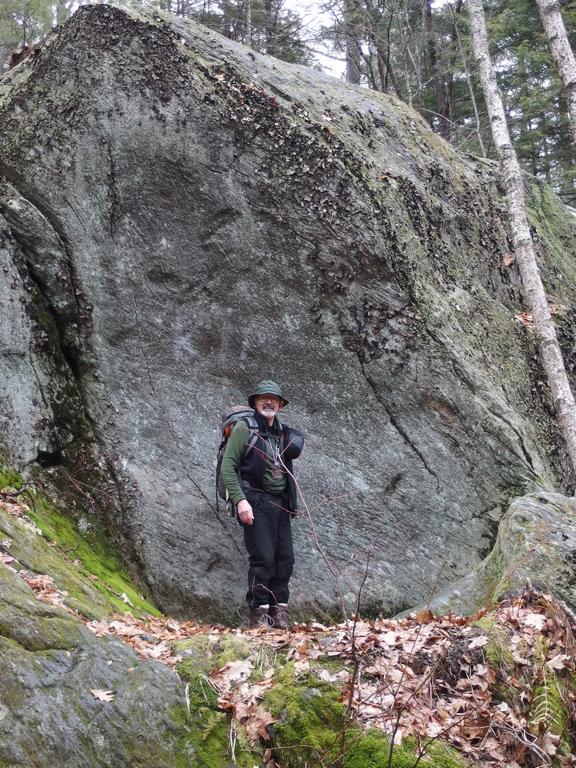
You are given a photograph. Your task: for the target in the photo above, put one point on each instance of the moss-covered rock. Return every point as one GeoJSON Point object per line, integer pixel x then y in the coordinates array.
{"type": "Point", "coordinates": [53, 669]}
{"type": "Point", "coordinates": [47, 541]}
{"type": "Point", "coordinates": [314, 728]}
{"type": "Point", "coordinates": [536, 544]}
{"type": "Point", "coordinates": [202, 653]}
{"type": "Point", "coordinates": [209, 739]}
{"type": "Point", "coordinates": [50, 665]}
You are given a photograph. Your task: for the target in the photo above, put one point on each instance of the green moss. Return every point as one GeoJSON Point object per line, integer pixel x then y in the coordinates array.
{"type": "Point", "coordinates": [93, 553]}
{"type": "Point", "coordinates": [9, 478]}
{"type": "Point", "coordinates": [205, 732]}
{"type": "Point", "coordinates": [229, 648]}
{"type": "Point", "coordinates": [200, 692]}
{"type": "Point", "coordinates": [312, 729]}
{"type": "Point", "coordinates": [331, 665]}
{"type": "Point", "coordinates": [96, 559]}
{"type": "Point", "coordinates": [371, 750]}
{"type": "Point", "coordinates": [202, 653]}
{"type": "Point", "coordinates": [498, 652]}
{"type": "Point", "coordinates": [555, 226]}
{"type": "Point", "coordinates": [309, 714]}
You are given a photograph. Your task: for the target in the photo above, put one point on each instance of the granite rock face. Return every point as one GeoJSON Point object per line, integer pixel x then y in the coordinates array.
{"type": "Point", "coordinates": [181, 217]}
{"type": "Point", "coordinates": [48, 714]}
{"type": "Point", "coordinates": [536, 545]}
{"type": "Point", "coordinates": [69, 696]}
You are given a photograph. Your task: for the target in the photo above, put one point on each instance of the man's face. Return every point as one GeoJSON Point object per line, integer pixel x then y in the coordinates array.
{"type": "Point", "coordinates": [268, 405]}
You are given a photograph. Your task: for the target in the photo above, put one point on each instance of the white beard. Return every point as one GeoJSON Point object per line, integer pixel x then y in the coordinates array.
{"type": "Point", "coordinates": [268, 413]}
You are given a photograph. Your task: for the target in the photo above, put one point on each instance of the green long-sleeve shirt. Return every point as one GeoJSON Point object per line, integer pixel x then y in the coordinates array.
{"type": "Point", "coordinates": [274, 480]}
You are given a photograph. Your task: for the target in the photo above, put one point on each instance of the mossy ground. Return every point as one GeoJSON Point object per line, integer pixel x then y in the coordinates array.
{"type": "Point", "coordinates": [497, 651]}
{"type": "Point", "coordinates": [209, 739]}
{"type": "Point", "coordinates": [314, 728]}
{"type": "Point", "coordinates": [97, 567]}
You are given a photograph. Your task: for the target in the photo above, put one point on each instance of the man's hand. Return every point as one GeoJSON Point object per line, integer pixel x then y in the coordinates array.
{"type": "Point", "coordinates": [245, 513]}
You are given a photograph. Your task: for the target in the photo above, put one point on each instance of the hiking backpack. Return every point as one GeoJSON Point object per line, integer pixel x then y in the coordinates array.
{"type": "Point", "coordinates": [292, 442]}
{"type": "Point", "coordinates": [229, 420]}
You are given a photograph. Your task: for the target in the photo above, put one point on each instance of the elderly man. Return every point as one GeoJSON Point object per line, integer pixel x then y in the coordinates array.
{"type": "Point", "coordinates": [257, 472]}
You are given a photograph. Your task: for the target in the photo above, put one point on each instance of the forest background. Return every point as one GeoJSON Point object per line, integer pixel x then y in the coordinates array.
{"type": "Point", "coordinates": [416, 50]}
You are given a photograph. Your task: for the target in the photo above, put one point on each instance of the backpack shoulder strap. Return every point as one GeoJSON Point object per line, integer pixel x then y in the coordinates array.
{"type": "Point", "coordinates": [254, 431]}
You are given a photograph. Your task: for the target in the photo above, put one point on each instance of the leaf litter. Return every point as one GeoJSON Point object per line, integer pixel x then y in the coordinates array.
{"type": "Point", "coordinates": [425, 676]}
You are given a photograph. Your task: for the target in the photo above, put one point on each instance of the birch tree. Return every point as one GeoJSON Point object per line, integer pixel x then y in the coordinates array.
{"type": "Point", "coordinates": [524, 253]}
{"type": "Point", "coordinates": [562, 53]}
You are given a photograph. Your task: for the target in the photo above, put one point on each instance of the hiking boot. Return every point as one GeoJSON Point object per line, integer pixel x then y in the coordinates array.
{"type": "Point", "coordinates": [279, 615]}
{"type": "Point", "coordinates": [259, 617]}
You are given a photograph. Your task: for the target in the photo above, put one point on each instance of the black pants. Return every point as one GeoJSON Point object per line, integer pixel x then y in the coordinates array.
{"type": "Point", "coordinates": [269, 544]}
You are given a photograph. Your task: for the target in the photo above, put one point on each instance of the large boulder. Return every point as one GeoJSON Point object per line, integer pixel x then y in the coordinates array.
{"type": "Point", "coordinates": [69, 698]}
{"type": "Point", "coordinates": [535, 546]}
{"type": "Point", "coordinates": [182, 216]}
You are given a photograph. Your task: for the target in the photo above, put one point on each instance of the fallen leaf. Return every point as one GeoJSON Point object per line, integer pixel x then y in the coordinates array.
{"type": "Point", "coordinates": [549, 743]}
{"type": "Point", "coordinates": [256, 725]}
{"type": "Point", "coordinates": [326, 676]}
{"type": "Point", "coordinates": [535, 620]}
{"type": "Point", "coordinates": [560, 661]}
{"type": "Point", "coordinates": [425, 616]}
{"type": "Point", "coordinates": [525, 318]}
{"type": "Point", "coordinates": [102, 695]}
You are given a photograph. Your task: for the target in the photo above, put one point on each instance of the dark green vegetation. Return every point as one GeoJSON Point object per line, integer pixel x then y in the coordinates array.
{"type": "Point", "coordinates": [270, 27]}
{"type": "Point", "coordinates": [424, 56]}
{"type": "Point", "coordinates": [53, 669]}
{"type": "Point", "coordinates": [206, 738]}
{"type": "Point", "coordinates": [314, 728]}
{"type": "Point", "coordinates": [82, 564]}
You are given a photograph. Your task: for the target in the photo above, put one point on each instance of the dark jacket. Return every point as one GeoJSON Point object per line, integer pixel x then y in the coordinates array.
{"type": "Point", "coordinates": [252, 467]}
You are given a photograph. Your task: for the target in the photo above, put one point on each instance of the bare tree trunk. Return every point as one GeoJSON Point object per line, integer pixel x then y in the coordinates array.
{"type": "Point", "coordinates": [441, 102]}
{"type": "Point", "coordinates": [271, 17]}
{"type": "Point", "coordinates": [468, 81]}
{"type": "Point", "coordinates": [562, 53]}
{"type": "Point", "coordinates": [369, 61]}
{"type": "Point", "coordinates": [353, 49]}
{"type": "Point", "coordinates": [249, 23]}
{"type": "Point", "coordinates": [545, 331]}
{"type": "Point", "coordinates": [381, 68]}
{"type": "Point", "coordinates": [269, 26]}
{"type": "Point", "coordinates": [387, 57]}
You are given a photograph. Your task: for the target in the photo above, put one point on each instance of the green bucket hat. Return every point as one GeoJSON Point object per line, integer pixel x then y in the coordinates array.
{"type": "Point", "coordinates": [266, 387]}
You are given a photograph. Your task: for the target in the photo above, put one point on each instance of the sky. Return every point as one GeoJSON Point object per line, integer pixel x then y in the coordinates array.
{"type": "Point", "coordinates": [313, 17]}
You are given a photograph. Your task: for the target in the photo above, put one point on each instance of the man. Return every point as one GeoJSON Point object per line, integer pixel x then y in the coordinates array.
{"type": "Point", "coordinates": [260, 483]}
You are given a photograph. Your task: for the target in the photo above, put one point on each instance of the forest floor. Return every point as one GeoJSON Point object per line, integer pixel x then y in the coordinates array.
{"type": "Point", "coordinates": [495, 689]}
